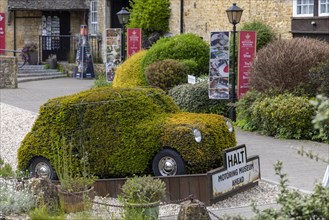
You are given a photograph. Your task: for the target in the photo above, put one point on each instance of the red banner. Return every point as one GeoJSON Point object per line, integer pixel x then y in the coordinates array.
{"type": "Point", "coordinates": [2, 32]}
{"type": "Point", "coordinates": [134, 40]}
{"type": "Point", "coordinates": [247, 52]}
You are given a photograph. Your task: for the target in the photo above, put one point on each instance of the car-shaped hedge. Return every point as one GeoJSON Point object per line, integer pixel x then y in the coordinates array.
{"type": "Point", "coordinates": [124, 131]}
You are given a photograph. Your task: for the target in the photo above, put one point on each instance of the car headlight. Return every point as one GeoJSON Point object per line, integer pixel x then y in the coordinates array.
{"type": "Point", "coordinates": [230, 126]}
{"type": "Point", "coordinates": [197, 135]}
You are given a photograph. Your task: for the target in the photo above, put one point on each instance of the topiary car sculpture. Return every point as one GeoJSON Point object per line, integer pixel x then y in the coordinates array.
{"type": "Point", "coordinates": [124, 131]}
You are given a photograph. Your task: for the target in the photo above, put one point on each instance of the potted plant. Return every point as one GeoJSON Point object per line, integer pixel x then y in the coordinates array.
{"type": "Point", "coordinates": [76, 190]}
{"type": "Point", "coordinates": [31, 49]}
{"type": "Point", "coordinates": [141, 197]}
{"type": "Point", "coordinates": [52, 61]}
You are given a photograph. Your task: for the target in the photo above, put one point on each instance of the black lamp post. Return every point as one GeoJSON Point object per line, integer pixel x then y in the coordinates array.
{"type": "Point", "coordinates": [234, 14]}
{"type": "Point", "coordinates": [123, 16]}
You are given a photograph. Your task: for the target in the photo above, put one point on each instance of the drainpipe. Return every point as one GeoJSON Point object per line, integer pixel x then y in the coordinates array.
{"type": "Point", "coordinates": [15, 33]}
{"type": "Point", "coordinates": [181, 16]}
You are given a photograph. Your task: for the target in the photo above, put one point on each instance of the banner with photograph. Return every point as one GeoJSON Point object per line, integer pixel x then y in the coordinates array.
{"type": "Point", "coordinates": [134, 40]}
{"type": "Point", "coordinates": [219, 65]}
{"type": "Point", "coordinates": [113, 52]}
{"type": "Point", "coordinates": [247, 52]}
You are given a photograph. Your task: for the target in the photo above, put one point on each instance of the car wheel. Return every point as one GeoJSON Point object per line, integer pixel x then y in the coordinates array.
{"type": "Point", "coordinates": [168, 163]}
{"type": "Point", "coordinates": [40, 167]}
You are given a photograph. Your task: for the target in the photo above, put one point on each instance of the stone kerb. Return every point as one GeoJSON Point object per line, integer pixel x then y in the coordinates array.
{"type": "Point", "coordinates": [8, 72]}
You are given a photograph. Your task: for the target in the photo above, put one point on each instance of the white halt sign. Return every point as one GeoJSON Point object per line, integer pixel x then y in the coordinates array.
{"type": "Point", "coordinates": [238, 171]}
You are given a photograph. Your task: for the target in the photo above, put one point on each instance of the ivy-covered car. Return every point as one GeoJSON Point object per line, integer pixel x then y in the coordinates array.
{"type": "Point", "coordinates": [122, 132]}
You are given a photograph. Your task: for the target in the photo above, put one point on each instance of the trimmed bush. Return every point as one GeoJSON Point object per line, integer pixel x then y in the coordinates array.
{"type": "Point", "coordinates": [244, 110]}
{"type": "Point", "coordinates": [130, 74]}
{"type": "Point", "coordinates": [265, 34]}
{"type": "Point", "coordinates": [177, 130]}
{"type": "Point", "coordinates": [166, 74]}
{"type": "Point", "coordinates": [180, 47]}
{"type": "Point", "coordinates": [285, 116]}
{"type": "Point", "coordinates": [150, 15]}
{"type": "Point", "coordinates": [194, 98]}
{"type": "Point", "coordinates": [284, 65]}
{"type": "Point", "coordinates": [120, 130]}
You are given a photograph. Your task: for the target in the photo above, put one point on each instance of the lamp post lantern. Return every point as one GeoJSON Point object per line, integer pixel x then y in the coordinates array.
{"type": "Point", "coordinates": [123, 16]}
{"type": "Point", "coordinates": [234, 14]}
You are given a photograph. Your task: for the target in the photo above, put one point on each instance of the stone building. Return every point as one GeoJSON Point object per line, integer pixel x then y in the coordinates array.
{"type": "Point", "coordinates": [54, 25]}
{"type": "Point", "coordinates": [288, 18]}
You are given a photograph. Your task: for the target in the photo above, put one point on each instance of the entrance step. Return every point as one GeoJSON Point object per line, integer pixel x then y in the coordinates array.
{"type": "Point", "coordinates": [28, 73]}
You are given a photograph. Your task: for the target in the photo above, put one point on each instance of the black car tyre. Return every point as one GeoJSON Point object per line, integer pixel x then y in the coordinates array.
{"type": "Point", "coordinates": [40, 167]}
{"type": "Point", "coordinates": [168, 163]}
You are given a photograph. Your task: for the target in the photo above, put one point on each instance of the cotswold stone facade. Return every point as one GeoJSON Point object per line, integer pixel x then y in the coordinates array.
{"type": "Point", "coordinates": [24, 18]}
{"type": "Point", "coordinates": [202, 17]}
{"type": "Point", "coordinates": [8, 72]}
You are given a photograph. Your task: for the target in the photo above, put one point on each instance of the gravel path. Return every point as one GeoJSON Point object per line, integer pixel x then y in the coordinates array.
{"type": "Point", "coordinates": [16, 122]}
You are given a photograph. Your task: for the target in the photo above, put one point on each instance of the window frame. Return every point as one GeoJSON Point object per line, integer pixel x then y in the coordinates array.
{"type": "Point", "coordinates": [326, 13]}
{"type": "Point", "coordinates": [295, 7]}
{"type": "Point", "coordinates": [93, 21]}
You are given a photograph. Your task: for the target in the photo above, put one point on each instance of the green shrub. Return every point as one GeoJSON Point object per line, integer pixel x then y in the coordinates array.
{"type": "Point", "coordinates": [319, 78]}
{"type": "Point", "coordinates": [150, 15]}
{"type": "Point", "coordinates": [284, 65]}
{"type": "Point", "coordinates": [180, 47]}
{"type": "Point", "coordinates": [130, 74]}
{"type": "Point", "coordinates": [192, 67]}
{"type": "Point", "coordinates": [144, 189]}
{"type": "Point", "coordinates": [100, 81]}
{"type": "Point", "coordinates": [15, 198]}
{"type": "Point", "coordinates": [294, 205]}
{"type": "Point", "coordinates": [244, 110]}
{"type": "Point", "coordinates": [285, 116]}
{"type": "Point", "coordinates": [194, 98]}
{"type": "Point", "coordinates": [5, 169]}
{"type": "Point", "coordinates": [321, 119]}
{"type": "Point", "coordinates": [265, 34]}
{"type": "Point", "coordinates": [166, 74]}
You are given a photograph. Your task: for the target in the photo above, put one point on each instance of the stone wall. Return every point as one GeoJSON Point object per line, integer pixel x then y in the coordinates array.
{"type": "Point", "coordinates": [28, 27]}
{"type": "Point", "coordinates": [8, 72]}
{"type": "Point", "coordinates": [202, 17]}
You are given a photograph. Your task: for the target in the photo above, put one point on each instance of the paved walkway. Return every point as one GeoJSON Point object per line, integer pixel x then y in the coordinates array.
{"type": "Point", "coordinates": [302, 171]}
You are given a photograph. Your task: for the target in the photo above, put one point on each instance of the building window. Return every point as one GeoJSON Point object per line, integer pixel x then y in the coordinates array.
{"type": "Point", "coordinates": [324, 7]}
{"type": "Point", "coordinates": [304, 7]}
{"type": "Point", "coordinates": [93, 17]}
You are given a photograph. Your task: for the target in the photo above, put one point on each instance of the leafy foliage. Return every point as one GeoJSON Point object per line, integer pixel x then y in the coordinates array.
{"type": "Point", "coordinates": [265, 34]}
{"type": "Point", "coordinates": [150, 15]}
{"type": "Point", "coordinates": [14, 198]}
{"type": "Point", "coordinates": [100, 81]}
{"type": "Point", "coordinates": [144, 189]}
{"type": "Point", "coordinates": [180, 47]}
{"type": "Point", "coordinates": [5, 169]}
{"type": "Point", "coordinates": [130, 74]}
{"type": "Point", "coordinates": [283, 66]}
{"type": "Point", "coordinates": [295, 205]}
{"type": "Point", "coordinates": [166, 74]}
{"type": "Point", "coordinates": [194, 98]}
{"type": "Point", "coordinates": [121, 129]}
{"type": "Point", "coordinates": [244, 109]}
{"type": "Point", "coordinates": [285, 116]}
{"type": "Point", "coordinates": [321, 119]}
{"type": "Point", "coordinates": [319, 78]}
